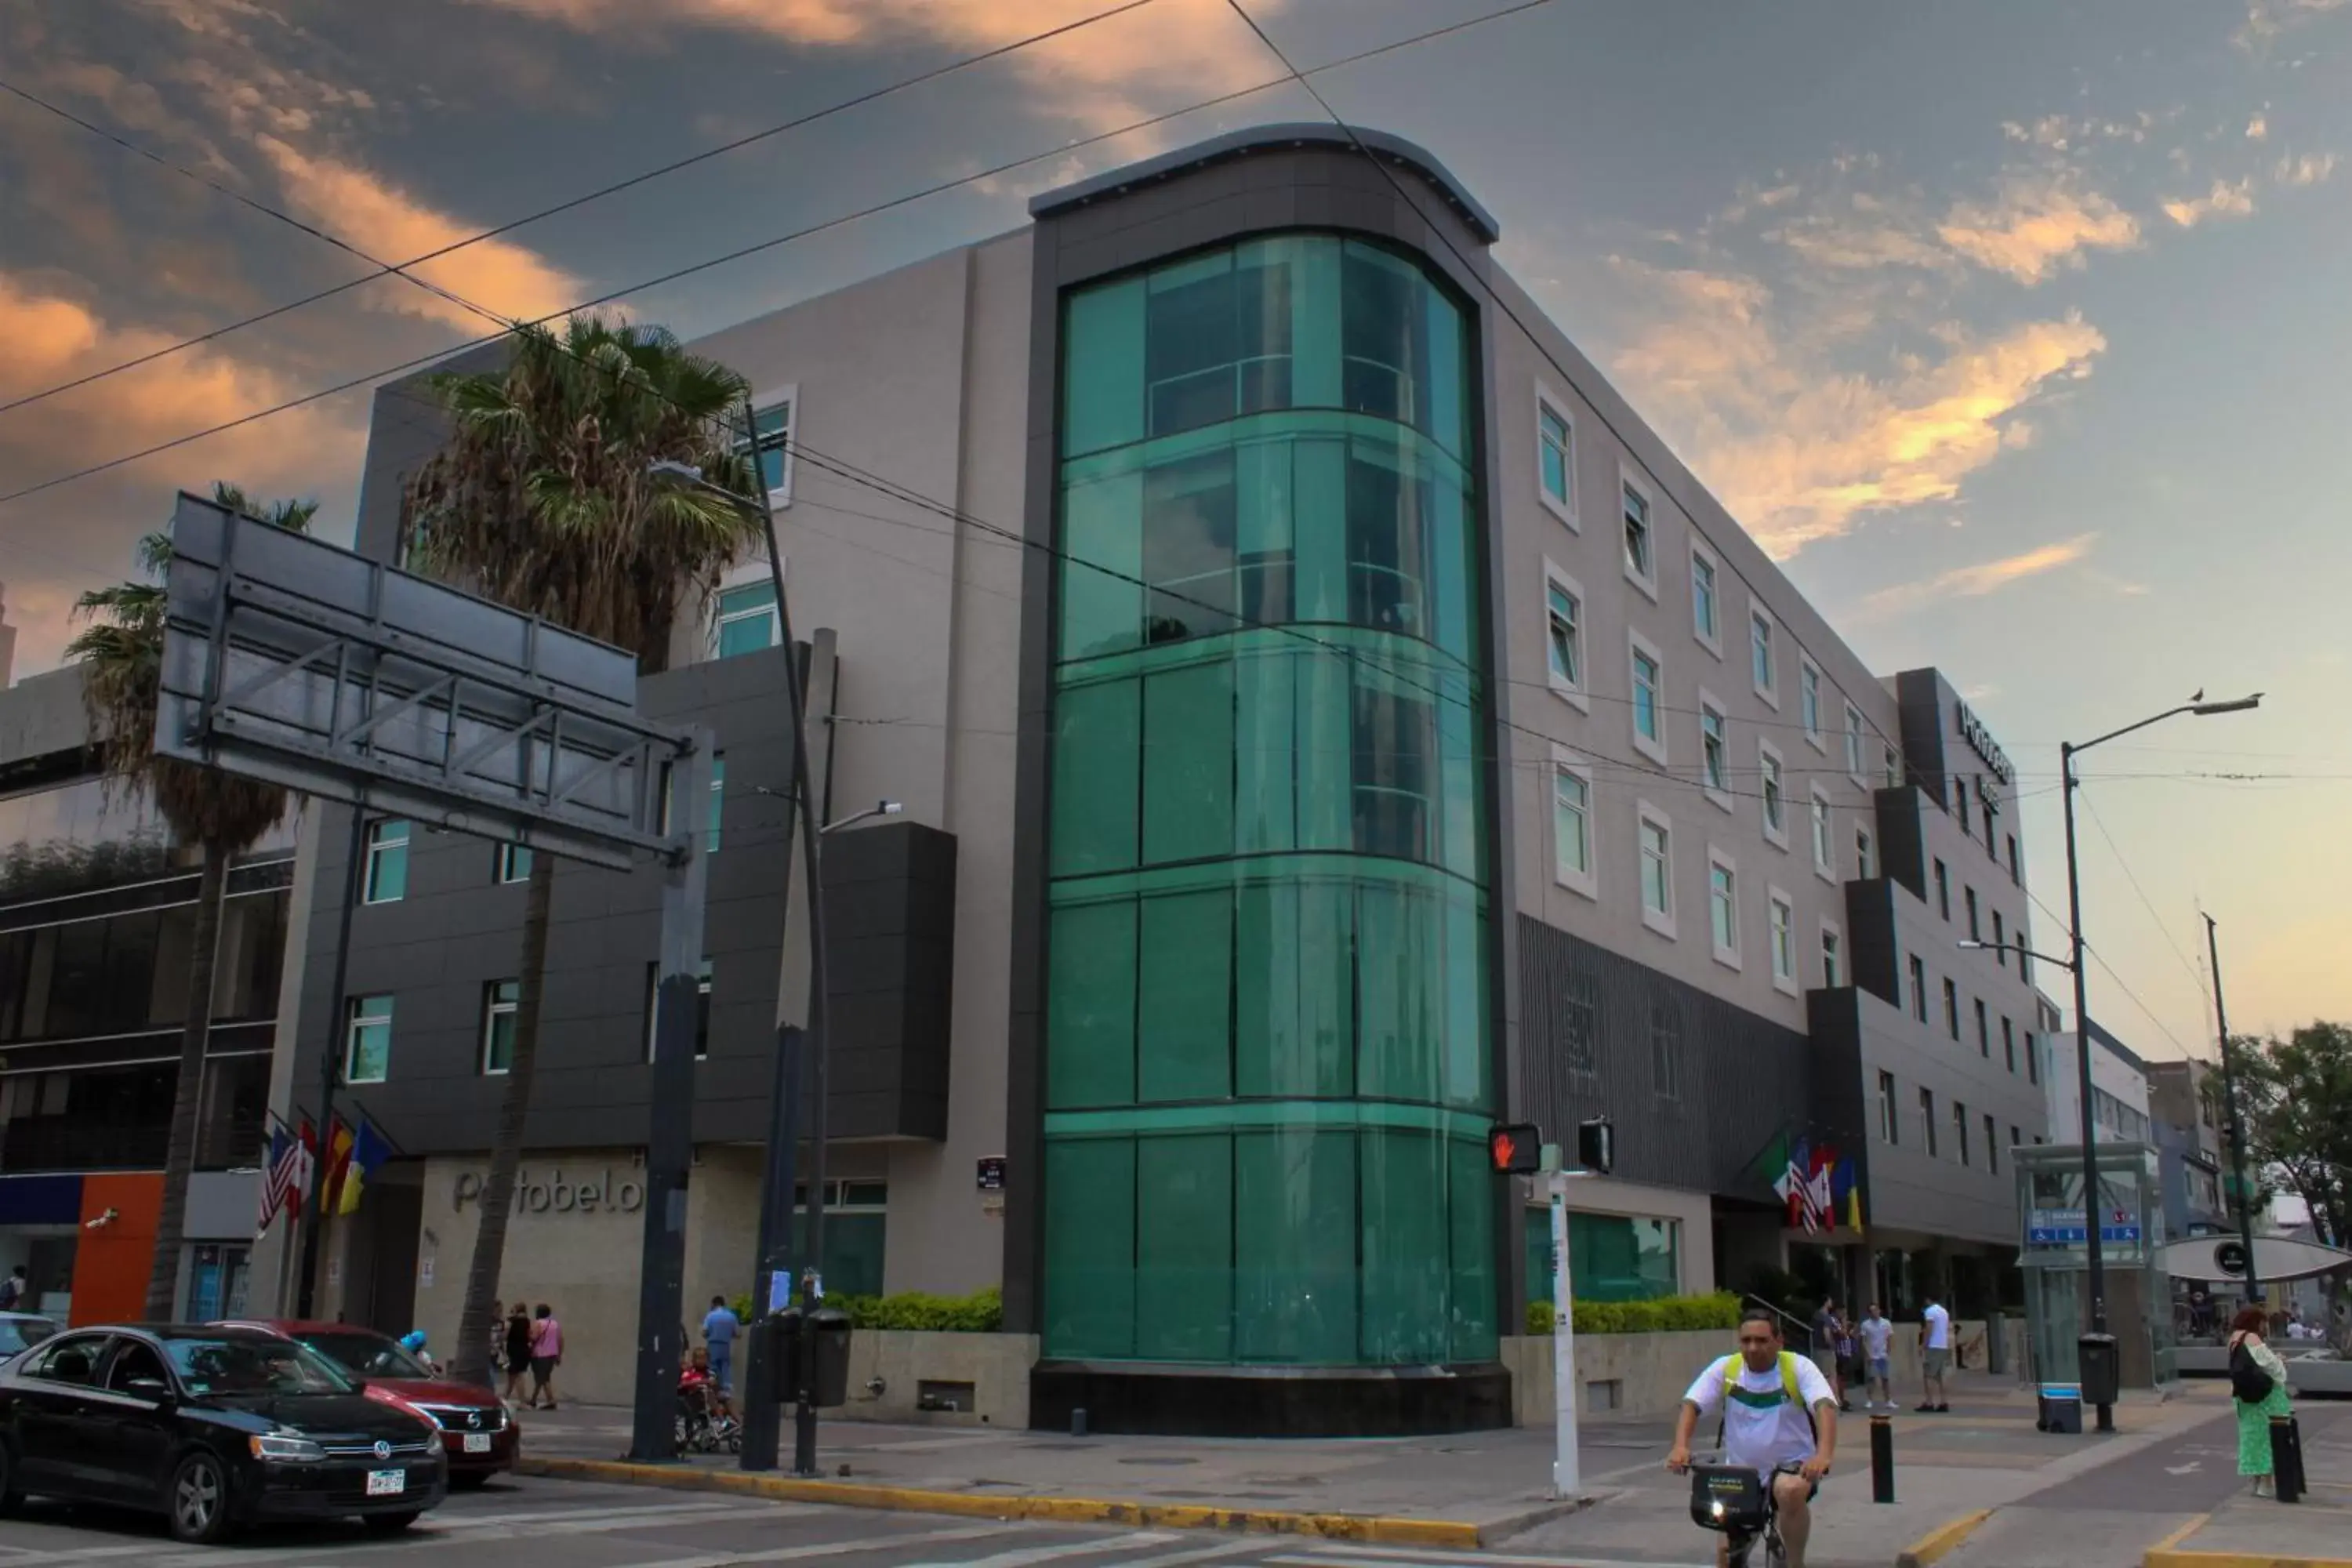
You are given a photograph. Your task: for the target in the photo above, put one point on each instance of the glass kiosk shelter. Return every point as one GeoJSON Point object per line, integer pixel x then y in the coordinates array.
{"type": "Point", "coordinates": [2054, 1254]}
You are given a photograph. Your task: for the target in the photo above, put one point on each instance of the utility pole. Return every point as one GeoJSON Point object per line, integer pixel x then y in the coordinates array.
{"type": "Point", "coordinates": [314, 1212]}
{"type": "Point", "coordinates": [2237, 1125]}
{"type": "Point", "coordinates": [2094, 1255]}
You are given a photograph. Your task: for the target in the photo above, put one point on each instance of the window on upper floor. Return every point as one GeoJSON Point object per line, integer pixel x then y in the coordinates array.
{"type": "Point", "coordinates": [1649, 700]}
{"type": "Point", "coordinates": [1951, 1008]}
{"type": "Point", "coordinates": [1890, 1121]}
{"type": "Point", "coordinates": [1824, 850]}
{"type": "Point", "coordinates": [1707, 614]}
{"type": "Point", "coordinates": [1916, 972]}
{"type": "Point", "coordinates": [1833, 957]}
{"type": "Point", "coordinates": [1984, 1030]}
{"type": "Point", "coordinates": [1943, 891]}
{"type": "Point", "coordinates": [701, 1010]}
{"type": "Point", "coordinates": [1960, 1129]}
{"type": "Point", "coordinates": [1555, 458]}
{"type": "Point", "coordinates": [1893, 769]}
{"type": "Point", "coordinates": [1968, 900]}
{"type": "Point", "coordinates": [1960, 804]}
{"type": "Point", "coordinates": [1572, 827]}
{"type": "Point", "coordinates": [746, 619]}
{"type": "Point", "coordinates": [1762, 666]}
{"type": "Point", "coordinates": [771, 446]}
{"type": "Point", "coordinates": [367, 1040]}
{"type": "Point", "coordinates": [1564, 634]}
{"type": "Point", "coordinates": [1641, 543]}
{"type": "Point", "coordinates": [1657, 870]}
{"type": "Point", "coordinates": [1809, 694]}
{"type": "Point", "coordinates": [1775, 794]}
{"type": "Point", "coordinates": [1714, 753]}
{"type": "Point", "coordinates": [500, 1000]}
{"type": "Point", "coordinates": [512, 864]}
{"type": "Point", "coordinates": [1783, 913]}
{"type": "Point", "coordinates": [1991, 1146]}
{"type": "Point", "coordinates": [2000, 940]}
{"type": "Point", "coordinates": [1927, 1119]}
{"type": "Point", "coordinates": [1854, 743]}
{"type": "Point", "coordinates": [2009, 1044]}
{"type": "Point", "coordinates": [1723, 906]}
{"type": "Point", "coordinates": [384, 877]}
{"type": "Point", "coordinates": [1865, 862]}
{"type": "Point", "coordinates": [2014, 875]}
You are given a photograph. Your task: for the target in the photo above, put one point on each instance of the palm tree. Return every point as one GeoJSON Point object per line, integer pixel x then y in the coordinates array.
{"type": "Point", "coordinates": [122, 652]}
{"type": "Point", "coordinates": [542, 500]}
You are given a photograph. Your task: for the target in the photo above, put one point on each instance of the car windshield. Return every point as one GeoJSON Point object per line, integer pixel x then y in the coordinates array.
{"type": "Point", "coordinates": [369, 1355]}
{"type": "Point", "coordinates": [254, 1366]}
{"type": "Point", "coordinates": [18, 1334]}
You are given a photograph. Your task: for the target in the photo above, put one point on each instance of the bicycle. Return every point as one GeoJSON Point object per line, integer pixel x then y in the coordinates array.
{"type": "Point", "coordinates": [1737, 1504]}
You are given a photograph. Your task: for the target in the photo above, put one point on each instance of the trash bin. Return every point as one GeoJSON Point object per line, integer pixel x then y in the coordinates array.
{"type": "Point", "coordinates": [2102, 1371]}
{"type": "Point", "coordinates": [786, 1342]}
{"type": "Point", "coordinates": [827, 1345]}
{"type": "Point", "coordinates": [2060, 1409]}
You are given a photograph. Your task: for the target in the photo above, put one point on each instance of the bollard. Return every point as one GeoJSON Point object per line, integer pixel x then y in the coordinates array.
{"type": "Point", "coordinates": [1882, 1458]}
{"type": "Point", "coordinates": [2286, 1458]}
{"type": "Point", "coordinates": [1078, 1421]}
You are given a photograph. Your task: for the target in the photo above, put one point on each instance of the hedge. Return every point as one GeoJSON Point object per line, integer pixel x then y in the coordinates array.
{"type": "Point", "coordinates": [1665, 1315]}
{"type": "Point", "coordinates": [982, 1312]}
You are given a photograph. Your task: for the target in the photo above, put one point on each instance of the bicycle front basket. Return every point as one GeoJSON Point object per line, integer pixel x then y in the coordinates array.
{"type": "Point", "coordinates": [1727, 1498]}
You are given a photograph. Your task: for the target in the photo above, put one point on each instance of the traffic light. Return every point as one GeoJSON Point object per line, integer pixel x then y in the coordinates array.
{"type": "Point", "coordinates": [1515, 1148]}
{"type": "Point", "coordinates": [1596, 1145]}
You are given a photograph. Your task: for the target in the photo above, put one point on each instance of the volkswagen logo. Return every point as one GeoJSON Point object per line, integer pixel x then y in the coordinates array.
{"type": "Point", "coordinates": [382, 1449]}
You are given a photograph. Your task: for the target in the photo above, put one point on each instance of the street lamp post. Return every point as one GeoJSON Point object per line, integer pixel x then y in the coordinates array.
{"type": "Point", "coordinates": [2095, 1263]}
{"type": "Point", "coordinates": [2237, 1126]}
{"type": "Point", "coordinates": [760, 1444]}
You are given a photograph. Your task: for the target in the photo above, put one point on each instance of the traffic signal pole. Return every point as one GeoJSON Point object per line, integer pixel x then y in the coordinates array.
{"type": "Point", "coordinates": [1566, 1465]}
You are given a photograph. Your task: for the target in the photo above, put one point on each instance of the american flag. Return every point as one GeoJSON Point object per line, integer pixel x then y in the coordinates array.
{"type": "Point", "coordinates": [288, 1175]}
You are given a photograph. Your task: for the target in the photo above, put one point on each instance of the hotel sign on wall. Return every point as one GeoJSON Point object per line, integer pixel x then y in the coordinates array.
{"type": "Point", "coordinates": [1980, 739]}
{"type": "Point", "coordinates": [555, 1194]}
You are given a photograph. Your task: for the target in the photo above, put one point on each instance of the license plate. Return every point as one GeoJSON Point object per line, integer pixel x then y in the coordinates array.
{"type": "Point", "coordinates": [387, 1483]}
{"type": "Point", "coordinates": [478, 1442]}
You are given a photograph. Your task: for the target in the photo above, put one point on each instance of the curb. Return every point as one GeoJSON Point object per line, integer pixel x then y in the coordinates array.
{"type": "Point", "coordinates": [1370, 1529]}
{"type": "Point", "coordinates": [1942, 1541]}
{"type": "Point", "coordinates": [2161, 1557]}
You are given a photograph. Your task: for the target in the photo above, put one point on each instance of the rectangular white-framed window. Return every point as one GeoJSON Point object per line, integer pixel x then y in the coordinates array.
{"type": "Point", "coordinates": [1554, 455]}
{"type": "Point", "coordinates": [1943, 891]}
{"type": "Point", "coordinates": [1890, 1120]}
{"type": "Point", "coordinates": [512, 863]}
{"type": "Point", "coordinates": [1657, 831]}
{"type": "Point", "coordinates": [1951, 1007]}
{"type": "Point", "coordinates": [1782, 918]}
{"type": "Point", "coordinates": [1894, 768]}
{"type": "Point", "coordinates": [1809, 700]}
{"type": "Point", "coordinates": [2000, 940]}
{"type": "Point", "coordinates": [1915, 975]}
{"type": "Point", "coordinates": [1969, 901]}
{"type": "Point", "coordinates": [1866, 861]}
{"type": "Point", "coordinates": [1564, 636]}
{"type": "Point", "coordinates": [1714, 750]}
{"type": "Point", "coordinates": [746, 619]}
{"type": "Point", "coordinates": [1853, 746]}
{"type": "Point", "coordinates": [1833, 955]}
{"type": "Point", "coordinates": [1649, 697]}
{"type": "Point", "coordinates": [2009, 1046]}
{"type": "Point", "coordinates": [1992, 1144]}
{"type": "Point", "coordinates": [1707, 597]}
{"type": "Point", "coordinates": [1960, 1129]}
{"type": "Point", "coordinates": [774, 418]}
{"type": "Point", "coordinates": [1928, 1121]}
{"type": "Point", "coordinates": [1641, 532]}
{"type": "Point", "coordinates": [1984, 1030]}
{"type": "Point", "coordinates": [1824, 846]}
{"type": "Point", "coordinates": [1723, 906]}
{"type": "Point", "coordinates": [1763, 654]}
{"type": "Point", "coordinates": [1573, 862]}
{"type": "Point", "coordinates": [501, 1002]}
{"type": "Point", "coordinates": [384, 878]}
{"type": "Point", "coordinates": [367, 1040]}
{"type": "Point", "coordinates": [1773, 786]}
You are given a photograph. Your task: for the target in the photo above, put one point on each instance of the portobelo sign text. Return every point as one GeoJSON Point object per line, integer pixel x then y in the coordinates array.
{"type": "Point", "coordinates": [555, 1195]}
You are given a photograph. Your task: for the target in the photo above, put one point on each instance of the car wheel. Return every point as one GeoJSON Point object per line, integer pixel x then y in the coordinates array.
{"type": "Point", "coordinates": [467, 1480]}
{"type": "Point", "coordinates": [197, 1505]}
{"type": "Point", "coordinates": [390, 1523]}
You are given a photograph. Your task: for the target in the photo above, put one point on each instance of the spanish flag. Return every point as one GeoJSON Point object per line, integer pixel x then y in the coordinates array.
{"type": "Point", "coordinates": [368, 1153]}
{"type": "Point", "coordinates": [339, 1138]}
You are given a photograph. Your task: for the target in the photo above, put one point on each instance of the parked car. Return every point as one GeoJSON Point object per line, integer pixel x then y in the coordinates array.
{"type": "Point", "coordinates": [477, 1429]}
{"type": "Point", "coordinates": [20, 1332]}
{"type": "Point", "coordinates": [213, 1427]}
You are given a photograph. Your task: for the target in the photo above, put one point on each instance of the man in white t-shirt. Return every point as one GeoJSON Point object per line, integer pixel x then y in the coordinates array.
{"type": "Point", "coordinates": [1878, 1351]}
{"type": "Point", "coordinates": [1935, 1353]}
{"type": "Point", "coordinates": [1777, 1411]}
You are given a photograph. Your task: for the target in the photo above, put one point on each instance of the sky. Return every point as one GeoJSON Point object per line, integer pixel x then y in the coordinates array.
{"type": "Point", "coordinates": [2015, 330]}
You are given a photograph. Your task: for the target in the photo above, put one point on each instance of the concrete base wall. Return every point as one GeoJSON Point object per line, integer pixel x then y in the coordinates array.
{"type": "Point", "coordinates": [1647, 1374]}
{"type": "Point", "coordinates": [995, 1365]}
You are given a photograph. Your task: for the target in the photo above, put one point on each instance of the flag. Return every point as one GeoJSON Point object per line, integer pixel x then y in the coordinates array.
{"type": "Point", "coordinates": [286, 1180]}
{"type": "Point", "coordinates": [368, 1153]}
{"type": "Point", "coordinates": [1791, 1186]}
{"type": "Point", "coordinates": [1846, 1187]}
{"type": "Point", "coordinates": [1820, 1207]}
{"type": "Point", "coordinates": [339, 1138]}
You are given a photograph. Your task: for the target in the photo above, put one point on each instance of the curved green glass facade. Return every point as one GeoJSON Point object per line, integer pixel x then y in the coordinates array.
{"type": "Point", "coordinates": [1267, 1070]}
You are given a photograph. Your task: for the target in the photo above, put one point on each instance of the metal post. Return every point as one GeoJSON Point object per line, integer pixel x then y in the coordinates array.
{"type": "Point", "coordinates": [669, 1137]}
{"type": "Point", "coordinates": [1881, 1457]}
{"type": "Point", "coordinates": [2237, 1126]}
{"type": "Point", "coordinates": [773, 1280]}
{"type": "Point", "coordinates": [1567, 1470]}
{"type": "Point", "coordinates": [314, 1212]}
{"type": "Point", "coordinates": [2093, 1254]}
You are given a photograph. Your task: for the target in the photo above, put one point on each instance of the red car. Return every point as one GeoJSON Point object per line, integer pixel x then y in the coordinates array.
{"type": "Point", "coordinates": [477, 1429]}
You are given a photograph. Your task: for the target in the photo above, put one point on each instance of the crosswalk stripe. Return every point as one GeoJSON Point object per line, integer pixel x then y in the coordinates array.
{"type": "Point", "coordinates": [1197, 1554]}
{"type": "Point", "coordinates": [1364, 1557]}
{"type": "Point", "coordinates": [436, 1532]}
{"type": "Point", "coordinates": [868, 1543]}
{"type": "Point", "coordinates": [1021, 1557]}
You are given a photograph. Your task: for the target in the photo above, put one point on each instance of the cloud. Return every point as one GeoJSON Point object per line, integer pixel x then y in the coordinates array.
{"type": "Point", "coordinates": [1984, 577]}
{"type": "Point", "coordinates": [1095, 73]}
{"type": "Point", "coordinates": [2309, 169]}
{"type": "Point", "coordinates": [388, 223]}
{"type": "Point", "coordinates": [2039, 224]}
{"type": "Point", "coordinates": [1800, 450]}
{"type": "Point", "coordinates": [2225, 200]}
{"type": "Point", "coordinates": [2266, 19]}
{"type": "Point", "coordinates": [2258, 127]}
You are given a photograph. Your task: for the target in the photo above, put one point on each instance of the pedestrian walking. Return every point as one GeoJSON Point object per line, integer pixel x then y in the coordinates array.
{"type": "Point", "coordinates": [1877, 1359]}
{"type": "Point", "coordinates": [719, 1327]}
{"type": "Point", "coordinates": [1825, 1356]}
{"type": "Point", "coordinates": [546, 1355]}
{"type": "Point", "coordinates": [1849, 1357]}
{"type": "Point", "coordinates": [2258, 1379]}
{"type": "Point", "coordinates": [517, 1349]}
{"type": "Point", "coordinates": [1935, 1354]}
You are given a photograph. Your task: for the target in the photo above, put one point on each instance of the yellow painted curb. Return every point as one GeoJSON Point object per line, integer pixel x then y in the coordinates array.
{"type": "Point", "coordinates": [1942, 1541]}
{"type": "Point", "coordinates": [1368, 1529]}
{"type": "Point", "coordinates": [2158, 1558]}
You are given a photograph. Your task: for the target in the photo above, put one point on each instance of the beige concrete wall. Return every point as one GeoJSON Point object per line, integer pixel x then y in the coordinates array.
{"type": "Point", "coordinates": [997, 1365]}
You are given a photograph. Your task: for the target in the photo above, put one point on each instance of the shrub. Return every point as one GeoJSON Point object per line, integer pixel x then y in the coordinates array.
{"type": "Point", "coordinates": [982, 1312]}
{"type": "Point", "coordinates": [1665, 1315]}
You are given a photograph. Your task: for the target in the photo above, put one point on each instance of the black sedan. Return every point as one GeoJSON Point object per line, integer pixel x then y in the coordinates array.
{"type": "Point", "coordinates": [212, 1427]}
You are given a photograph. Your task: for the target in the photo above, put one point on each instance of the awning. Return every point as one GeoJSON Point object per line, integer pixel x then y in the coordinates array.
{"type": "Point", "coordinates": [2275, 1258]}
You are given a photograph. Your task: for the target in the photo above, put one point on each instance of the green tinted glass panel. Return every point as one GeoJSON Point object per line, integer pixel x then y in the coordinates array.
{"type": "Point", "coordinates": [1185, 1248]}
{"type": "Point", "coordinates": [1400, 969]}
{"type": "Point", "coordinates": [1265, 782]}
{"type": "Point", "coordinates": [1404, 1243]}
{"type": "Point", "coordinates": [1090, 1006]}
{"type": "Point", "coordinates": [1188, 763]}
{"type": "Point", "coordinates": [1097, 733]}
{"type": "Point", "coordinates": [1103, 388]}
{"type": "Point", "coordinates": [1102, 568]}
{"type": "Point", "coordinates": [1470, 1200]}
{"type": "Point", "coordinates": [1184, 1020]}
{"type": "Point", "coordinates": [854, 1245]}
{"type": "Point", "coordinates": [1090, 1275]}
{"type": "Point", "coordinates": [1295, 1246]}
{"type": "Point", "coordinates": [1294, 989]}
{"type": "Point", "coordinates": [1463, 991]}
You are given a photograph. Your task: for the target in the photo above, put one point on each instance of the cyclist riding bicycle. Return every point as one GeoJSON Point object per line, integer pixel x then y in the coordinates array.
{"type": "Point", "coordinates": [1779, 1419]}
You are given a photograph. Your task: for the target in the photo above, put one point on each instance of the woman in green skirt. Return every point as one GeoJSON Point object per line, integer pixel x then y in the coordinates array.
{"type": "Point", "coordinates": [2254, 1416]}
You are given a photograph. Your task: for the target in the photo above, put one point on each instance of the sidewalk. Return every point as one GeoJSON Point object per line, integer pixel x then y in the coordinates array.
{"type": "Point", "coordinates": [2244, 1532]}
{"type": "Point", "coordinates": [1461, 1491]}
